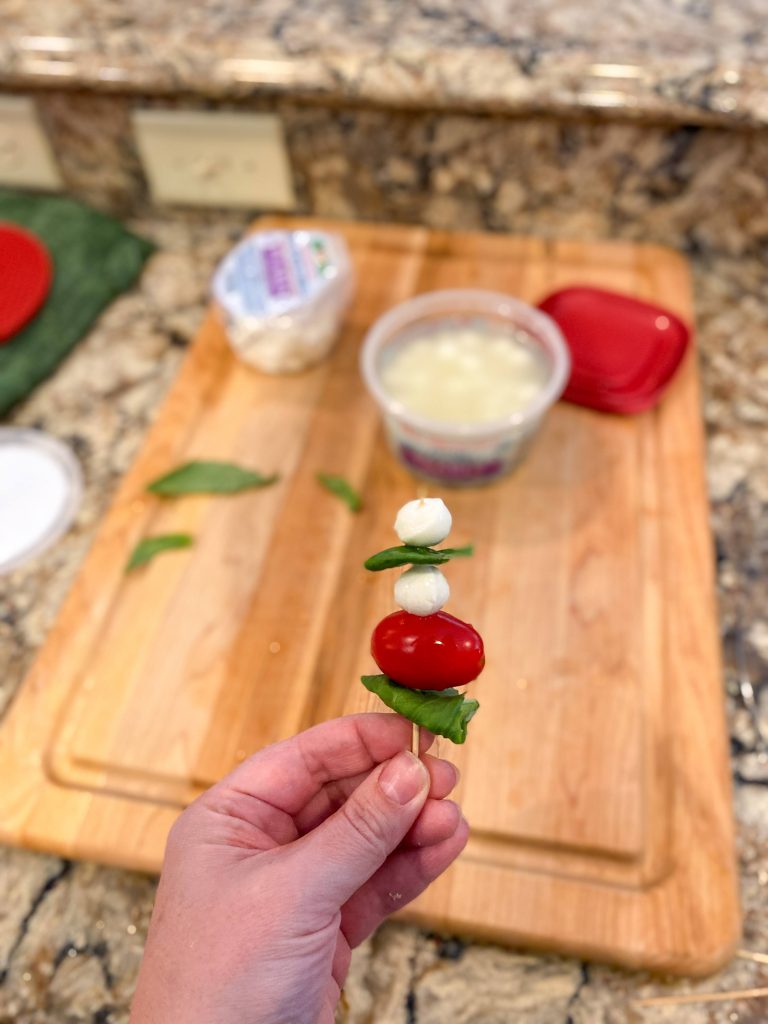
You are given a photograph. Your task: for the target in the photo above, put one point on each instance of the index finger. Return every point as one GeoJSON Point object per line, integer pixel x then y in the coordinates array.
{"type": "Point", "coordinates": [288, 774]}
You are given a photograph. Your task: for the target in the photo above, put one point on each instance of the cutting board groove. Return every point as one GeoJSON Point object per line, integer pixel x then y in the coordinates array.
{"type": "Point", "coordinates": [595, 777]}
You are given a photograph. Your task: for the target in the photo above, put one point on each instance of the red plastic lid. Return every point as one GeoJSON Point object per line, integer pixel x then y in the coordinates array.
{"type": "Point", "coordinates": [623, 351]}
{"type": "Point", "coordinates": [25, 278]}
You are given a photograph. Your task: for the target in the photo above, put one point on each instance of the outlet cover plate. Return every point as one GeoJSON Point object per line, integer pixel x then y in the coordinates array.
{"type": "Point", "coordinates": [26, 159]}
{"type": "Point", "coordinates": [215, 158]}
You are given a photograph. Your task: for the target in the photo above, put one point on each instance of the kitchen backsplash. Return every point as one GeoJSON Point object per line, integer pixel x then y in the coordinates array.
{"type": "Point", "coordinates": [690, 186]}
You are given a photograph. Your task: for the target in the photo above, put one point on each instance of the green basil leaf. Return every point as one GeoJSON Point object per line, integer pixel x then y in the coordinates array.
{"type": "Point", "coordinates": [338, 485]}
{"type": "Point", "coordinates": [208, 478]}
{"type": "Point", "coordinates": [443, 712]}
{"type": "Point", "coordinates": [410, 554]}
{"type": "Point", "coordinates": [147, 548]}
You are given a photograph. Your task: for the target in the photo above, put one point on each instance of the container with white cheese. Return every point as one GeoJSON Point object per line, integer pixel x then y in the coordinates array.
{"type": "Point", "coordinates": [282, 296]}
{"type": "Point", "coordinates": [464, 379]}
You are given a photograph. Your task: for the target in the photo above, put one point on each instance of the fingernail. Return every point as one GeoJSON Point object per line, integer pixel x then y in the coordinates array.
{"type": "Point", "coordinates": [403, 778]}
{"type": "Point", "coordinates": [456, 772]}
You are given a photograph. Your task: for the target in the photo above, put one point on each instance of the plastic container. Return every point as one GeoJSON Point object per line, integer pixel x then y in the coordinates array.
{"type": "Point", "coordinates": [41, 489]}
{"type": "Point", "coordinates": [624, 351]}
{"type": "Point", "coordinates": [282, 296]}
{"type": "Point", "coordinates": [463, 454]}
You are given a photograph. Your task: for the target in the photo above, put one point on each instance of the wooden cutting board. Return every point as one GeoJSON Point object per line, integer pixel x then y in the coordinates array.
{"type": "Point", "coordinates": [595, 777]}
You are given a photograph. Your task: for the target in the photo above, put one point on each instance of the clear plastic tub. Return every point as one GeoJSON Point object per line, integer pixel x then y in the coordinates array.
{"type": "Point", "coordinates": [464, 454]}
{"type": "Point", "coordinates": [282, 296]}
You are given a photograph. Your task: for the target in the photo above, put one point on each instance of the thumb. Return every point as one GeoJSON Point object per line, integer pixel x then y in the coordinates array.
{"type": "Point", "coordinates": [351, 845]}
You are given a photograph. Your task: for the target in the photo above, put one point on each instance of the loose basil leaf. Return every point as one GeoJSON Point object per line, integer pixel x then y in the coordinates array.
{"type": "Point", "coordinates": [410, 554]}
{"type": "Point", "coordinates": [147, 548]}
{"type": "Point", "coordinates": [208, 478]}
{"type": "Point", "coordinates": [443, 712]}
{"type": "Point", "coordinates": [338, 485]}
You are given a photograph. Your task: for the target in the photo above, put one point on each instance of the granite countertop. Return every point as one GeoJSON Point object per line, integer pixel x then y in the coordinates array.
{"type": "Point", "coordinates": [699, 61]}
{"type": "Point", "coordinates": [71, 934]}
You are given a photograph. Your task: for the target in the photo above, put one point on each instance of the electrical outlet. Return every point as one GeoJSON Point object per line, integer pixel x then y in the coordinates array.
{"type": "Point", "coordinates": [25, 156]}
{"type": "Point", "coordinates": [215, 158]}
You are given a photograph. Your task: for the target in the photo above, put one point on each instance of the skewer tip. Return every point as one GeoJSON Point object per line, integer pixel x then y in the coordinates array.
{"type": "Point", "coordinates": [415, 736]}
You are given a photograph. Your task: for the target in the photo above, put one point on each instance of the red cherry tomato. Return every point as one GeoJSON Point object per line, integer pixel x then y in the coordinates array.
{"type": "Point", "coordinates": [427, 652]}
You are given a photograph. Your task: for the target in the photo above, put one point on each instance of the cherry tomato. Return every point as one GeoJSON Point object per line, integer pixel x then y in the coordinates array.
{"type": "Point", "coordinates": [427, 652]}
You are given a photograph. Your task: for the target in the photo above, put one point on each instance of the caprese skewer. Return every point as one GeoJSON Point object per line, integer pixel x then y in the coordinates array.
{"type": "Point", "coordinates": [423, 652]}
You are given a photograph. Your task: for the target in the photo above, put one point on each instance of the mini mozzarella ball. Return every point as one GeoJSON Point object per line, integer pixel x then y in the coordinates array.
{"type": "Point", "coordinates": [422, 590]}
{"type": "Point", "coordinates": [424, 521]}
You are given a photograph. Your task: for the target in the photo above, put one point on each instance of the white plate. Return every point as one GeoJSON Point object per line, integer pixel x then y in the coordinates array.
{"type": "Point", "coordinates": [41, 487]}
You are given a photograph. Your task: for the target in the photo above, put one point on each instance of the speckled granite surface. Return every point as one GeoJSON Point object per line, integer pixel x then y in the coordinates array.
{"type": "Point", "coordinates": [71, 934]}
{"type": "Point", "coordinates": [698, 186]}
{"type": "Point", "coordinates": [681, 59]}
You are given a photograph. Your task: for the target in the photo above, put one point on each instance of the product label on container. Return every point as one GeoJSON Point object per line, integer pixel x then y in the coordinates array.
{"type": "Point", "coordinates": [450, 467]}
{"type": "Point", "coordinates": [273, 272]}
{"type": "Point", "coordinates": [439, 460]}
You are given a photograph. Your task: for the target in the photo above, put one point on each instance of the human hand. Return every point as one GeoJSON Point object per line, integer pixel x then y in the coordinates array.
{"type": "Point", "coordinates": [273, 876]}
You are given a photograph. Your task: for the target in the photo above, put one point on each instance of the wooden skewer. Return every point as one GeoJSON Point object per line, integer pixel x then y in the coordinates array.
{"type": "Point", "coordinates": [704, 997]}
{"type": "Point", "coordinates": [712, 997]}
{"type": "Point", "coordinates": [421, 492]}
{"type": "Point", "coordinates": [756, 958]}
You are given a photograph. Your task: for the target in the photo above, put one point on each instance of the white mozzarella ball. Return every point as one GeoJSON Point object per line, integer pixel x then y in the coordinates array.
{"type": "Point", "coordinates": [422, 590]}
{"type": "Point", "coordinates": [424, 521]}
